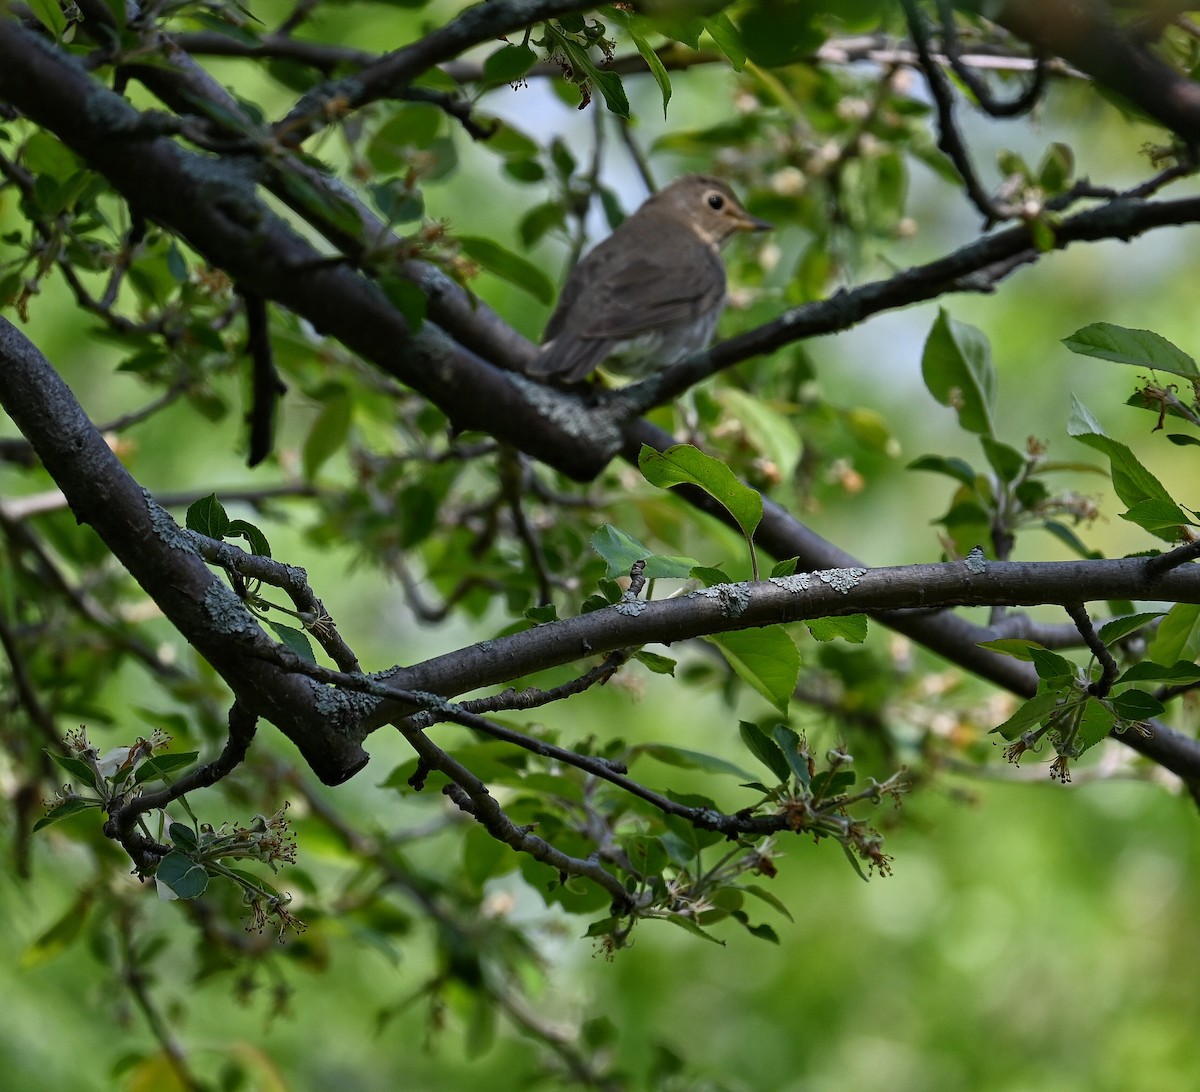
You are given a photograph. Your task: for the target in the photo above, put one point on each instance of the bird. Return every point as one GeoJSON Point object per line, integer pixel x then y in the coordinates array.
{"type": "Point", "coordinates": [652, 292]}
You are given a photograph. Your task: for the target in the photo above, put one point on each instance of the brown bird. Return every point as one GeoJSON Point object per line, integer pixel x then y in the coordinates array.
{"type": "Point", "coordinates": [651, 292]}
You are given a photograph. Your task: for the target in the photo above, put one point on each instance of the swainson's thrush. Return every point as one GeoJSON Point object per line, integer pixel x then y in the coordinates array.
{"type": "Point", "coordinates": [651, 292]}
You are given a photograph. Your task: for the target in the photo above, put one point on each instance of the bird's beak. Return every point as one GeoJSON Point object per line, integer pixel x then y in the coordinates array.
{"type": "Point", "coordinates": [746, 222]}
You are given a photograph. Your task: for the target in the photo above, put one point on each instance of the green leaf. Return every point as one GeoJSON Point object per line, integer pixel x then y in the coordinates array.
{"type": "Point", "coordinates": [1012, 163]}
{"type": "Point", "coordinates": [766, 428]}
{"type": "Point", "coordinates": [621, 551]}
{"type": "Point", "coordinates": [511, 143]}
{"type": "Point", "coordinates": [608, 83]}
{"type": "Point", "coordinates": [1065, 535]}
{"type": "Point", "coordinates": [1159, 517]}
{"type": "Point", "coordinates": [765, 658]}
{"type": "Point", "coordinates": [539, 220]}
{"type": "Point", "coordinates": [651, 58]}
{"type": "Point", "coordinates": [1113, 631]}
{"type": "Point", "coordinates": [294, 639]}
{"type": "Point", "coordinates": [207, 517]}
{"type": "Point", "coordinates": [508, 64]}
{"type": "Point", "coordinates": [660, 665]}
{"type": "Point", "coordinates": [1132, 482]}
{"type": "Point", "coordinates": [1042, 227]}
{"type": "Point", "coordinates": [508, 266]}
{"type": "Point", "coordinates": [525, 170]}
{"type": "Point", "coordinates": [50, 15]}
{"type": "Point", "coordinates": [728, 39]}
{"type": "Point", "coordinates": [562, 159]}
{"type": "Point", "coordinates": [76, 768]}
{"type": "Point", "coordinates": [766, 750]}
{"type": "Point", "coordinates": [771, 900]}
{"type": "Point", "coordinates": [59, 936]}
{"type": "Point", "coordinates": [1006, 461]}
{"type": "Point", "coordinates": [709, 575]}
{"type": "Point", "coordinates": [65, 810]}
{"type": "Point", "coordinates": [782, 33]}
{"type": "Point", "coordinates": [323, 205]}
{"type": "Point", "coordinates": [1050, 666]}
{"type": "Point", "coordinates": [953, 467]}
{"type": "Point", "coordinates": [763, 931]}
{"type": "Point", "coordinates": [646, 855]}
{"type": "Point", "coordinates": [330, 429]}
{"type": "Point", "coordinates": [1056, 168]}
{"type": "Point", "coordinates": [255, 539]}
{"type": "Point", "coordinates": [601, 928]}
{"type": "Point", "coordinates": [397, 202]}
{"type": "Point", "coordinates": [1095, 724]}
{"type": "Point", "coordinates": [684, 759]}
{"type": "Point", "coordinates": [177, 264]}
{"type": "Point", "coordinates": [484, 856]}
{"type": "Point", "coordinates": [869, 428]}
{"type": "Point", "coordinates": [1137, 705]}
{"type": "Point", "coordinates": [854, 862]}
{"type": "Point", "coordinates": [674, 19]}
{"type": "Point", "coordinates": [157, 767]}
{"type": "Point", "coordinates": [1180, 673]}
{"type": "Point", "coordinates": [183, 835]}
{"type": "Point", "coordinates": [684, 464]}
{"type": "Point", "coordinates": [957, 368]}
{"type": "Point", "coordinates": [1178, 635]}
{"type": "Point", "coordinates": [1140, 348]}
{"type": "Point", "coordinates": [829, 783]}
{"type": "Point", "coordinates": [849, 627]}
{"type": "Point", "coordinates": [1029, 715]}
{"type": "Point", "coordinates": [1016, 647]}
{"type": "Point", "coordinates": [790, 745]}
{"type": "Point", "coordinates": [182, 875]}
{"type": "Point", "coordinates": [413, 127]}
{"type": "Point", "coordinates": [689, 926]}
{"type": "Point", "coordinates": [407, 298]}
{"type": "Point", "coordinates": [480, 1030]}
{"type": "Point", "coordinates": [613, 91]}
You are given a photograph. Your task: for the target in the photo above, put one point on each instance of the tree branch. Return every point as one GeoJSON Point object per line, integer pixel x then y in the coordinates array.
{"type": "Point", "coordinates": [1085, 33]}
{"type": "Point", "coordinates": [483, 22]}
{"type": "Point", "coordinates": [976, 267]}
{"type": "Point", "coordinates": [157, 553]}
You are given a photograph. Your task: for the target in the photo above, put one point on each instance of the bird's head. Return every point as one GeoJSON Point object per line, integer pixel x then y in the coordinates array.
{"type": "Point", "coordinates": [707, 205]}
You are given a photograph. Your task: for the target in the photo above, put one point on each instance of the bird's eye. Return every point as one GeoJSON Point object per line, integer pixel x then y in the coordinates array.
{"type": "Point", "coordinates": [716, 201]}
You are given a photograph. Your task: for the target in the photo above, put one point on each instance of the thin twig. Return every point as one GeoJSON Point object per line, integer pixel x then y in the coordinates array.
{"type": "Point", "coordinates": [1109, 668]}
{"type": "Point", "coordinates": [511, 466]}
{"type": "Point", "coordinates": [1022, 104]}
{"type": "Point", "coordinates": [1164, 563]}
{"type": "Point", "coordinates": [120, 825]}
{"type": "Point", "coordinates": [950, 140]}
{"type": "Point", "coordinates": [27, 693]}
{"type": "Point", "coordinates": [636, 155]}
{"type": "Point", "coordinates": [136, 981]}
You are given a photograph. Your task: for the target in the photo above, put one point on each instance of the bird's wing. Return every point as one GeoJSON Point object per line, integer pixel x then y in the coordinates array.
{"type": "Point", "coordinates": [569, 359]}
{"type": "Point", "coordinates": [647, 293]}
{"type": "Point", "coordinates": [611, 297]}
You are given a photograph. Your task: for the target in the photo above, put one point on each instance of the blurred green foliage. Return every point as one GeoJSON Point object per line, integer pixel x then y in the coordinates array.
{"type": "Point", "coordinates": [1030, 937]}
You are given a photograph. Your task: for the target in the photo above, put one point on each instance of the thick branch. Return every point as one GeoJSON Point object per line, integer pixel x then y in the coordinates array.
{"type": "Point", "coordinates": [481, 23]}
{"type": "Point", "coordinates": [976, 267]}
{"type": "Point", "coordinates": [152, 547]}
{"type": "Point", "coordinates": [821, 594]}
{"type": "Point", "coordinates": [213, 204]}
{"type": "Point", "coordinates": [121, 824]}
{"type": "Point", "coordinates": [1085, 33]}
{"type": "Point", "coordinates": [954, 638]}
